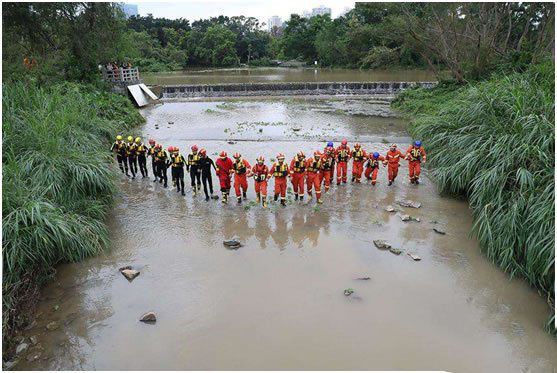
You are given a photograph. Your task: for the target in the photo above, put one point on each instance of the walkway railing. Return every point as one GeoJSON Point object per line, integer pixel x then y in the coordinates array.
{"type": "Point", "coordinates": [121, 75]}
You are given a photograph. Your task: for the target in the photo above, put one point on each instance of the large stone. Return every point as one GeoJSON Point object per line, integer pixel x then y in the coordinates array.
{"type": "Point", "coordinates": [232, 244]}
{"type": "Point", "coordinates": [53, 325]}
{"type": "Point", "coordinates": [130, 274]}
{"type": "Point", "coordinates": [382, 244]}
{"type": "Point", "coordinates": [439, 230]}
{"type": "Point", "coordinates": [408, 203]}
{"type": "Point", "coordinates": [414, 256]}
{"type": "Point", "coordinates": [395, 251]}
{"type": "Point", "coordinates": [148, 317]}
{"type": "Point", "coordinates": [21, 348]}
{"type": "Point", "coordinates": [406, 217]}
{"type": "Point", "coordinates": [390, 208]}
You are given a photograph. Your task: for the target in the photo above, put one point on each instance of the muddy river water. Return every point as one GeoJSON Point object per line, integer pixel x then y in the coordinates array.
{"type": "Point", "coordinates": [278, 302]}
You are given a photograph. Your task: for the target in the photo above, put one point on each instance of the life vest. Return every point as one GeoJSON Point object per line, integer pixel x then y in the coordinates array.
{"type": "Point", "coordinates": [178, 161]}
{"type": "Point", "coordinates": [193, 159]}
{"type": "Point", "coordinates": [299, 166]}
{"type": "Point", "coordinates": [121, 148]}
{"type": "Point", "coordinates": [260, 172]}
{"type": "Point", "coordinates": [358, 155]}
{"type": "Point", "coordinates": [141, 149]}
{"type": "Point", "coordinates": [131, 149]}
{"type": "Point", "coordinates": [327, 165]}
{"type": "Point", "coordinates": [240, 167]}
{"type": "Point", "coordinates": [152, 150]}
{"type": "Point", "coordinates": [373, 163]}
{"type": "Point", "coordinates": [160, 156]}
{"type": "Point", "coordinates": [415, 154]}
{"type": "Point", "coordinates": [280, 170]}
{"type": "Point", "coordinates": [342, 155]}
{"type": "Point", "coordinates": [314, 166]}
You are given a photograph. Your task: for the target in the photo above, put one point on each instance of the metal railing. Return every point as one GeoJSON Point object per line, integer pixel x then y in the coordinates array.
{"type": "Point", "coordinates": [121, 74]}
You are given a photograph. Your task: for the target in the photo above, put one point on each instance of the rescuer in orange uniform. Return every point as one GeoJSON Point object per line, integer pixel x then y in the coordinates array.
{"type": "Point", "coordinates": [327, 167]}
{"type": "Point", "coordinates": [415, 154]}
{"type": "Point", "coordinates": [224, 168]}
{"type": "Point", "coordinates": [359, 156]}
{"type": "Point", "coordinates": [314, 170]}
{"type": "Point", "coordinates": [241, 170]}
{"type": "Point", "coordinates": [260, 173]}
{"type": "Point", "coordinates": [393, 158]}
{"type": "Point", "coordinates": [280, 171]}
{"type": "Point", "coordinates": [297, 174]}
{"type": "Point", "coordinates": [372, 166]}
{"type": "Point", "coordinates": [342, 157]}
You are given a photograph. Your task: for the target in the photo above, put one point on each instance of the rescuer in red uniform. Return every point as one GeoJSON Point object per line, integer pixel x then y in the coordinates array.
{"type": "Point", "coordinates": [342, 157]}
{"type": "Point", "coordinates": [241, 170]}
{"type": "Point", "coordinates": [372, 166]}
{"type": "Point", "coordinates": [359, 156]}
{"type": "Point", "coordinates": [327, 168]}
{"type": "Point", "coordinates": [224, 167]}
{"type": "Point", "coordinates": [280, 171]}
{"type": "Point", "coordinates": [297, 174]}
{"type": "Point", "coordinates": [415, 154]}
{"type": "Point", "coordinates": [393, 158]}
{"type": "Point", "coordinates": [260, 173]}
{"type": "Point", "coordinates": [314, 170]}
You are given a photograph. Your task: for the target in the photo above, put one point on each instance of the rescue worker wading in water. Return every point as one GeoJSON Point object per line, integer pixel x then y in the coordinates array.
{"type": "Point", "coordinates": [241, 170]}
{"type": "Point", "coordinates": [161, 163]}
{"type": "Point", "coordinates": [327, 167]}
{"type": "Point", "coordinates": [119, 147]}
{"type": "Point", "coordinates": [193, 168]}
{"type": "Point", "coordinates": [297, 175]}
{"type": "Point", "coordinates": [314, 168]}
{"type": "Point", "coordinates": [415, 155]}
{"type": "Point", "coordinates": [151, 153]}
{"type": "Point", "coordinates": [342, 157]}
{"type": "Point", "coordinates": [393, 158]}
{"type": "Point", "coordinates": [205, 164]}
{"type": "Point", "coordinates": [359, 156]}
{"type": "Point", "coordinates": [141, 151]}
{"type": "Point", "coordinates": [372, 167]}
{"type": "Point", "coordinates": [224, 167]}
{"type": "Point", "coordinates": [132, 156]}
{"type": "Point", "coordinates": [177, 163]}
{"type": "Point", "coordinates": [260, 173]}
{"type": "Point", "coordinates": [280, 171]}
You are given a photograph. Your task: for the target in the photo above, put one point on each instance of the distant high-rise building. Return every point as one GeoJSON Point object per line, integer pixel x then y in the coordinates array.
{"type": "Point", "coordinates": [129, 9]}
{"type": "Point", "coordinates": [274, 21]}
{"type": "Point", "coordinates": [321, 10]}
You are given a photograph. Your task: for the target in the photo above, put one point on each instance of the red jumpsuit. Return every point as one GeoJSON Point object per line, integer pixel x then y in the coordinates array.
{"type": "Point", "coordinates": [415, 157]}
{"type": "Point", "coordinates": [223, 172]}
{"type": "Point", "coordinates": [240, 176]}
{"type": "Point", "coordinates": [342, 157]}
{"type": "Point", "coordinates": [393, 159]}
{"type": "Point", "coordinates": [279, 171]}
{"type": "Point", "coordinates": [260, 174]}
{"type": "Point", "coordinates": [313, 169]}
{"type": "Point", "coordinates": [297, 174]}
{"type": "Point", "coordinates": [359, 156]}
{"type": "Point", "coordinates": [372, 168]}
{"type": "Point", "coordinates": [327, 164]}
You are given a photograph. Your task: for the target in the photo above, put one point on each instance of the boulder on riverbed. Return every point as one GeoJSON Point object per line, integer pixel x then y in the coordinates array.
{"type": "Point", "coordinates": [382, 244]}
{"type": "Point", "coordinates": [21, 348]}
{"type": "Point", "coordinates": [408, 203]}
{"type": "Point", "coordinates": [348, 292]}
{"type": "Point", "coordinates": [148, 317]}
{"type": "Point", "coordinates": [439, 230]}
{"type": "Point", "coordinates": [395, 251]}
{"type": "Point", "coordinates": [390, 208]}
{"type": "Point", "coordinates": [130, 274]}
{"type": "Point", "coordinates": [53, 325]}
{"type": "Point", "coordinates": [414, 257]}
{"type": "Point", "coordinates": [406, 217]}
{"type": "Point", "coordinates": [232, 244]}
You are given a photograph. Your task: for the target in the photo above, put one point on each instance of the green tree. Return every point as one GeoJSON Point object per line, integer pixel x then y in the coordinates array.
{"type": "Point", "coordinates": [217, 47]}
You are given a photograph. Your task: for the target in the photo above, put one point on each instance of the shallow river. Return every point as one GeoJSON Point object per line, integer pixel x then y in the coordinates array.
{"type": "Point", "coordinates": [283, 74]}
{"type": "Point", "coordinates": [278, 302]}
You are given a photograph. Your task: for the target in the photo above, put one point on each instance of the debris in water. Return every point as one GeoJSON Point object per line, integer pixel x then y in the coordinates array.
{"type": "Point", "coordinates": [395, 251]}
{"type": "Point", "coordinates": [408, 203]}
{"type": "Point", "coordinates": [414, 256]}
{"type": "Point", "coordinates": [382, 244]}
{"type": "Point", "coordinates": [232, 244]}
{"type": "Point", "coordinates": [149, 317]}
{"type": "Point", "coordinates": [130, 274]}
{"type": "Point", "coordinates": [438, 230]}
{"type": "Point", "coordinates": [348, 292]}
{"type": "Point", "coordinates": [363, 278]}
{"type": "Point", "coordinates": [53, 325]}
{"type": "Point", "coordinates": [390, 208]}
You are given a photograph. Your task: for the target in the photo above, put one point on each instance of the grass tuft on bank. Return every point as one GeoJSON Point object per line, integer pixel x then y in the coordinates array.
{"type": "Point", "coordinates": [57, 183]}
{"type": "Point", "coordinates": [493, 142]}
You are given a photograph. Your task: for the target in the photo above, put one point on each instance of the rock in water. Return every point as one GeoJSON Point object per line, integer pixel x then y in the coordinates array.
{"type": "Point", "coordinates": [408, 203]}
{"type": "Point", "coordinates": [148, 317]}
{"type": "Point", "coordinates": [415, 257]}
{"type": "Point", "coordinates": [53, 325]}
{"type": "Point", "coordinates": [130, 274]}
{"type": "Point", "coordinates": [405, 217]}
{"type": "Point", "coordinates": [232, 244]}
{"type": "Point", "coordinates": [123, 268]}
{"type": "Point", "coordinates": [395, 251]}
{"type": "Point", "coordinates": [438, 230]}
{"type": "Point", "coordinates": [348, 292]}
{"type": "Point", "coordinates": [364, 278]}
{"type": "Point", "coordinates": [21, 348]}
{"type": "Point", "coordinates": [390, 209]}
{"type": "Point", "coordinates": [215, 196]}
{"type": "Point", "coordinates": [34, 339]}
{"type": "Point", "coordinates": [382, 244]}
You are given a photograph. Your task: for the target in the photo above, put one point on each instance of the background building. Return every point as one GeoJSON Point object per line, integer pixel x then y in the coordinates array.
{"type": "Point", "coordinates": [274, 21]}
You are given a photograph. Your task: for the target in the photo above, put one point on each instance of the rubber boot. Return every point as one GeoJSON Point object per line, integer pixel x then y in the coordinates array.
{"type": "Point", "coordinates": [295, 196]}
{"type": "Point", "coordinates": [390, 182]}
{"type": "Point", "coordinates": [301, 197]}
{"type": "Point", "coordinates": [417, 181]}
{"type": "Point", "coordinates": [319, 201]}
{"type": "Point", "coordinates": [239, 199]}
{"type": "Point", "coordinates": [194, 191]}
{"type": "Point", "coordinates": [353, 178]}
{"type": "Point", "coordinates": [257, 198]}
{"type": "Point", "coordinates": [264, 202]}
{"type": "Point", "coordinates": [276, 197]}
{"type": "Point", "coordinates": [224, 197]}
{"type": "Point", "coordinates": [244, 194]}
{"type": "Point", "coordinates": [283, 202]}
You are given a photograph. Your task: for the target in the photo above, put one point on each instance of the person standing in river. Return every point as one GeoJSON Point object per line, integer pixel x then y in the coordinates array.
{"type": "Point", "coordinates": [132, 156]}
{"type": "Point", "coordinates": [415, 154]}
{"type": "Point", "coordinates": [342, 157]}
{"type": "Point", "coordinates": [241, 170]}
{"type": "Point", "coordinates": [372, 166]}
{"type": "Point", "coordinates": [193, 167]}
{"type": "Point", "coordinates": [359, 156]}
{"type": "Point", "coordinates": [177, 162]}
{"type": "Point", "coordinates": [297, 175]}
{"type": "Point", "coordinates": [224, 167]}
{"type": "Point", "coordinates": [327, 168]}
{"type": "Point", "coordinates": [314, 169]}
{"type": "Point", "coordinates": [260, 173]}
{"type": "Point", "coordinates": [393, 158]}
{"type": "Point", "coordinates": [280, 172]}
{"type": "Point", "coordinates": [141, 151]}
{"type": "Point", "coordinates": [119, 147]}
{"type": "Point", "coordinates": [161, 160]}
{"type": "Point", "coordinates": [151, 153]}
{"type": "Point", "coordinates": [205, 163]}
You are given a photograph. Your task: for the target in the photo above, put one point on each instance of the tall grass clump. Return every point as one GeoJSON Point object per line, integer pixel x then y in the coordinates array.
{"type": "Point", "coordinates": [57, 183]}
{"type": "Point", "coordinates": [493, 142]}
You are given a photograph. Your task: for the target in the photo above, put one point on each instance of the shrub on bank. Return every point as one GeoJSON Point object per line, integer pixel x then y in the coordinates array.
{"type": "Point", "coordinates": [57, 183]}
{"type": "Point", "coordinates": [493, 142]}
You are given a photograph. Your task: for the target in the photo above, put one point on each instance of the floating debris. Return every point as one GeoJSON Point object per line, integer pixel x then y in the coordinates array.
{"type": "Point", "coordinates": [408, 203]}
{"type": "Point", "coordinates": [363, 278]}
{"type": "Point", "coordinates": [232, 244]}
{"type": "Point", "coordinates": [382, 244]}
{"type": "Point", "coordinates": [348, 292]}
{"type": "Point", "coordinates": [149, 317]}
{"type": "Point", "coordinates": [439, 230]}
{"type": "Point", "coordinates": [414, 256]}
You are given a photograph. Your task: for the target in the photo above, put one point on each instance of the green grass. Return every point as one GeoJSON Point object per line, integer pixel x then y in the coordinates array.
{"type": "Point", "coordinates": [57, 181]}
{"type": "Point", "coordinates": [493, 142]}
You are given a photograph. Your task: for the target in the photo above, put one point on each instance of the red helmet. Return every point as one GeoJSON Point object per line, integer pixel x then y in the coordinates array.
{"type": "Point", "coordinates": [151, 141]}
{"type": "Point", "coordinates": [203, 151]}
{"type": "Point", "coordinates": [317, 153]}
{"type": "Point", "coordinates": [357, 145]}
{"type": "Point", "coordinates": [171, 148]}
{"type": "Point", "coordinates": [223, 154]}
{"type": "Point", "coordinates": [344, 142]}
{"type": "Point", "coordinates": [301, 154]}
{"type": "Point", "coordinates": [194, 148]}
{"type": "Point", "coordinates": [158, 146]}
{"type": "Point", "coordinates": [260, 159]}
{"type": "Point", "coordinates": [237, 155]}
{"type": "Point", "coordinates": [280, 156]}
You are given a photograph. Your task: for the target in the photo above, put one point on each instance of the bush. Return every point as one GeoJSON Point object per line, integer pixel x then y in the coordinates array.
{"type": "Point", "coordinates": [57, 181]}
{"type": "Point", "coordinates": [379, 57]}
{"type": "Point", "coordinates": [494, 143]}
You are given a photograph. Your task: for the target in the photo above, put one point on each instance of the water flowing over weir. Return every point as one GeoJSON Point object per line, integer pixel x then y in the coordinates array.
{"type": "Point", "coordinates": [288, 88]}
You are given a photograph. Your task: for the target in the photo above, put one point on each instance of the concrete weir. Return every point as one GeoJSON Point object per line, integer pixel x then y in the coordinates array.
{"type": "Point", "coordinates": [288, 88]}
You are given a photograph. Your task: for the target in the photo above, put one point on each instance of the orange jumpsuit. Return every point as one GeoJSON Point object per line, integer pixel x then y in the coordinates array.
{"type": "Point", "coordinates": [240, 178]}
{"type": "Point", "coordinates": [372, 168]}
{"type": "Point", "coordinates": [314, 170]}
{"type": "Point", "coordinates": [327, 164]}
{"type": "Point", "coordinates": [279, 171]}
{"type": "Point", "coordinates": [297, 174]}
{"type": "Point", "coordinates": [342, 157]}
{"type": "Point", "coordinates": [415, 157]}
{"type": "Point", "coordinates": [393, 159]}
{"type": "Point", "coordinates": [260, 174]}
{"type": "Point", "coordinates": [359, 157]}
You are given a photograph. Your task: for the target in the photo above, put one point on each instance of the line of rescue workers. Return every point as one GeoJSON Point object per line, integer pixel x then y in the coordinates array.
{"type": "Point", "coordinates": [310, 173]}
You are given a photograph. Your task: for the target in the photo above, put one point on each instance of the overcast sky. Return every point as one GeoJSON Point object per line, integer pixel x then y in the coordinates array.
{"type": "Point", "coordinates": [195, 9]}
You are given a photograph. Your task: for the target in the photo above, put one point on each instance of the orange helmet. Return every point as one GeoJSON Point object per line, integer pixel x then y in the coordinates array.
{"type": "Point", "coordinates": [223, 154]}
{"type": "Point", "coordinates": [260, 159]}
{"type": "Point", "coordinates": [280, 156]}
{"type": "Point", "coordinates": [344, 142]}
{"type": "Point", "coordinates": [152, 141]}
{"type": "Point", "coordinates": [171, 148]}
{"type": "Point", "coordinates": [237, 155]}
{"type": "Point", "coordinates": [301, 154]}
{"type": "Point", "coordinates": [202, 151]}
{"type": "Point", "coordinates": [317, 153]}
{"type": "Point", "coordinates": [194, 148]}
{"type": "Point", "coordinates": [357, 145]}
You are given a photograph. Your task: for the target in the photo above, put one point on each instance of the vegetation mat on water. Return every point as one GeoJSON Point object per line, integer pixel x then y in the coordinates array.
{"type": "Point", "coordinates": [57, 183]}
{"type": "Point", "coordinates": [493, 142]}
